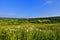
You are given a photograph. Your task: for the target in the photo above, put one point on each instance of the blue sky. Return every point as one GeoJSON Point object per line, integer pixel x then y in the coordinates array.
{"type": "Point", "coordinates": [29, 8]}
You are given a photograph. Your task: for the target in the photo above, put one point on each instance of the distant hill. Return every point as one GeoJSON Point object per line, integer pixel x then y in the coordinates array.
{"type": "Point", "coordinates": [47, 19]}
{"type": "Point", "coordinates": [4, 21]}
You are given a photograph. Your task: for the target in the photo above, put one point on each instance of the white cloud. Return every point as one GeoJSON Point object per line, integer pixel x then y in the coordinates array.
{"type": "Point", "coordinates": [49, 1]}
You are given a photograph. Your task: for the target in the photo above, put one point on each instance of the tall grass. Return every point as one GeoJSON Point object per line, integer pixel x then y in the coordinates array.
{"type": "Point", "coordinates": [28, 33]}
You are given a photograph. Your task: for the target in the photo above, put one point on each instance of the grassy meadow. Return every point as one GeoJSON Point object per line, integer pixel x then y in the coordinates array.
{"type": "Point", "coordinates": [30, 28]}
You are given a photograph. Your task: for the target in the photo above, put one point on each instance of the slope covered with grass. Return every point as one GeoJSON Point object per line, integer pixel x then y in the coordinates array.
{"type": "Point", "coordinates": [30, 28]}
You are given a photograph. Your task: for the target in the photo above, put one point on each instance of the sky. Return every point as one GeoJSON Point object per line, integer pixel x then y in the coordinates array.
{"type": "Point", "coordinates": [29, 8]}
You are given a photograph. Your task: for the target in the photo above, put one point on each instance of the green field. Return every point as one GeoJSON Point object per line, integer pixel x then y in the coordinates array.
{"type": "Point", "coordinates": [30, 28]}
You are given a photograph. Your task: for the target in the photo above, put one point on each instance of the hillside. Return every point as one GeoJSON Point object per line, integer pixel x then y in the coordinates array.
{"type": "Point", "coordinates": [47, 28]}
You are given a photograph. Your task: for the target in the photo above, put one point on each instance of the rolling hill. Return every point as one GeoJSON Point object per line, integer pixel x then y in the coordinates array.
{"type": "Point", "coordinates": [47, 28]}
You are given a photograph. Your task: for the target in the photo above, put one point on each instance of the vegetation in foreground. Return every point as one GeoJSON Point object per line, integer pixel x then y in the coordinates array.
{"type": "Point", "coordinates": [30, 29]}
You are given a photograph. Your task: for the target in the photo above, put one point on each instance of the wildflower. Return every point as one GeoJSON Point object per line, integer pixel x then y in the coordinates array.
{"type": "Point", "coordinates": [31, 28]}
{"type": "Point", "coordinates": [18, 26]}
{"type": "Point", "coordinates": [40, 30]}
{"type": "Point", "coordinates": [27, 30]}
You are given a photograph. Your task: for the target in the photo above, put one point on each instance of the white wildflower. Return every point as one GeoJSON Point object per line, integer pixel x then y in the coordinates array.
{"type": "Point", "coordinates": [27, 30]}
{"type": "Point", "coordinates": [31, 28]}
{"type": "Point", "coordinates": [40, 30]}
{"type": "Point", "coordinates": [18, 26]}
